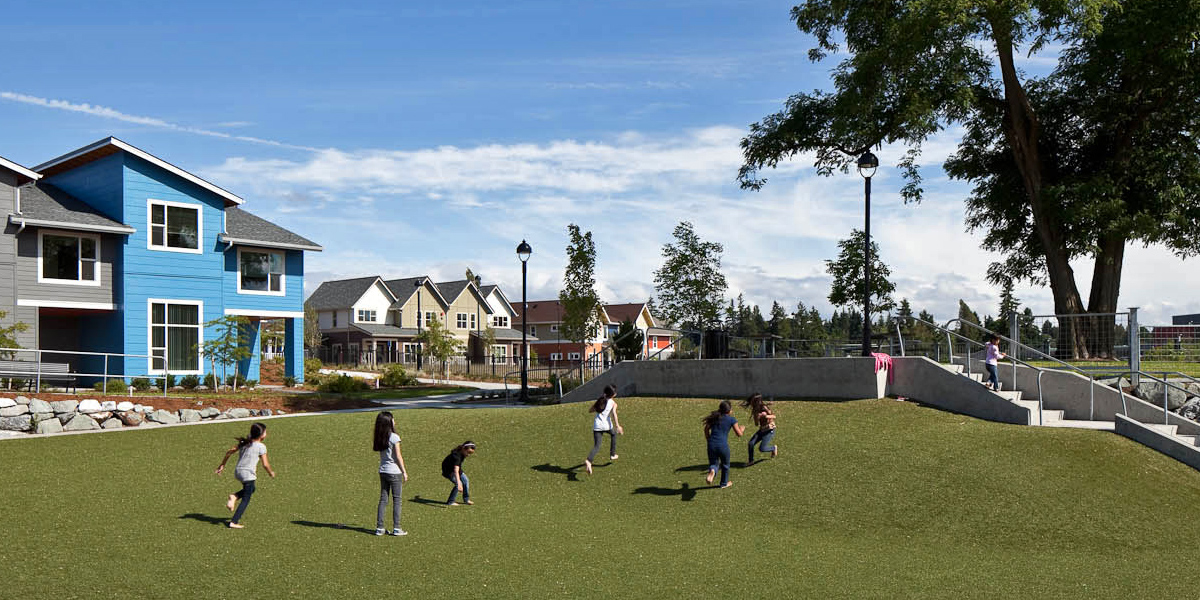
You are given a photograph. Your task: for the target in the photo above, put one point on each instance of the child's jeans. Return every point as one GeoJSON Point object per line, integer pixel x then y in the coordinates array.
{"type": "Point", "coordinates": [466, 488]}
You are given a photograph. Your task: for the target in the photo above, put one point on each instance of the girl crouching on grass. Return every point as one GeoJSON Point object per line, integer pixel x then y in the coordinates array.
{"type": "Point", "coordinates": [716, 431]}
{"type": "Point", "coordinates": [452, 470]}
{"type": "Point", "coordinates": [249, 450]}
{"type": "Point", "coordinates": [761, 415]}
{"type": "Point", "coordinates": [392, 473]}
{"type": "Point", "coordinates": [606, 422]}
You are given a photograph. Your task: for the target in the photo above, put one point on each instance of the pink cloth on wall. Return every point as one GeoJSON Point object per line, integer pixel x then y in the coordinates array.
{"type": "Point", "coordinates": [883, 361]}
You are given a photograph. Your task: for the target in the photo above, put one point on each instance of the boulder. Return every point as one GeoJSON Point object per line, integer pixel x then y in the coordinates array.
{"type": "Point", "coordinates": [132, 419]}
{"type": "Point", "coordinates": [113, 423]}
{"type": "Point", "coordinates": [49, 426]}
{"type": "Point", "coordinates": [147, 409]}
{"type": "Point", "coordinates": [40, 406]}
{"type": "Point", "coordinates": [100, 417]}
{"type": "Point", "coordinates": [281, 412]}
{"type": "Point", "coordinates": [221, 417]}
{"type": "Point", "coordinates": [238, 413]}
{"type": "Point", "coordinates": [64, 406]}
{"type": "Point", "coordinates": [64, 417]}
{"type": "Point", "coordinates": [109, 405]}
{"type": "Point", "coordinates": [188, 415]}
{"type": "Point", "coordinates": [1192, 388]}
{"type": "Point", "coordinates": [89, 406]}
{"type": "Point", "coordinates": [209, 413]}
{"type": "Point", "coordinates": [124, 406]}
{"type": "Point", "coordinates": [139, 408]}
{"type": "Point", "coordinates": [17, 423]}
{"type": "Point", "coordinates": [7, 402]}
{"type": "Point", "coordinates": [14, 411]}
{"type": "Point", "coordinates": [1190, 409]}
{"type": "Point", "coordinates": [1152, 392]}
{"type": "Point", "coordinates": [163, 416]}
{"type": "Point", "coordinates": [80, 423]}
{"type": "Point", "coordinates": [266, 412]}
{"type": "Point", "coordinates": [23, 400]}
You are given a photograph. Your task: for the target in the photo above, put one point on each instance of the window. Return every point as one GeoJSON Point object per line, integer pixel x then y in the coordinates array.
{"type": "Point", "coordinates": [260, 272]}
{"type": "Point", "coordinates": [175, 335]}
{"type": "Point", "coordinates": [366, 316]}
{"type": "Point", "coordinates": [612, 330]}
{"type": "Point", "coordinates": [335, 318]}
{"type": "Point", "coordinates": [500, 321]}
{"type": "Point", "coordinates": [556, 356]}
{"type": "Point", "coordinates": [430, 317]}
{"type": "Point", "coordinates": [473, 325]}
{"type": "Point", "coordinates": [533, 330]}
{"type": "Point", "coordinates": [69, 258]}
{"type": "Point", "coordinates": [175, 226]}
{"type": "Point", "coordinates": [573, 356]}
{"type": "Point", "coordinates": [553, 328]}
{"type": "Point", "coordinates": [499, 353]}
{"type": "Point", "coordinates": [461, 320]}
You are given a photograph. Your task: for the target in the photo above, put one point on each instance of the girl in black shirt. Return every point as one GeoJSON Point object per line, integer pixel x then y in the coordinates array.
{"type": "Point", "coordinates": [452, 470]}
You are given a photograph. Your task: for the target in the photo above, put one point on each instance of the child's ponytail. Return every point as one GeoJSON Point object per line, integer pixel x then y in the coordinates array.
{"type": "Point", "coordinates": [256, 432]}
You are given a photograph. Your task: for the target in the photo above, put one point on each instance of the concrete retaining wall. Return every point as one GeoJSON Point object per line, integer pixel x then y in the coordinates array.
{"type": "Point", "coordinates": [851, 378]}
{"type": "Point", "coordinates": [924, 380]}
{"type": "Point", "coordinates": [1177, 449]}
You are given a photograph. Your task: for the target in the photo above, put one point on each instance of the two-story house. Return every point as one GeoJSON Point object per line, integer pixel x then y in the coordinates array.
{"type": "Point", "coordinates": [545, 321]}
{"type": "Point", "coordinates": [118, 251]}
{"type": "Point", "coordinates": [12, 178]}
{"type": "Point", "coordinates": [373, 320]}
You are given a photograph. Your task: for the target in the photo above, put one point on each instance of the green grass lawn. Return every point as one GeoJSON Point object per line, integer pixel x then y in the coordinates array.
{"type": "Point", "coordinates": [878, 499]}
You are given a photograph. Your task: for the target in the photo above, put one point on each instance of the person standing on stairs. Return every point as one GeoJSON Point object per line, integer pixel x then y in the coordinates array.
{"type": "Point", "coordinates": [992, 359]}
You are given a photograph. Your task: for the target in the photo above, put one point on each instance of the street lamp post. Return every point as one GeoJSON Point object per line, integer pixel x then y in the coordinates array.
{"type": "Point", "coordinates": [417, 284]}
{"type": "Point", "coordinates": [523, 252]}
{"type": "Point", "coordinates": [867, 163]}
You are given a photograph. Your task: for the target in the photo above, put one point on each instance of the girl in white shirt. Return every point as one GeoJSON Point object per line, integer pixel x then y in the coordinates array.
{"type": "Point", "coordinates": [606, 422]}
{"type": "Point", "coordinates": [392, 473]}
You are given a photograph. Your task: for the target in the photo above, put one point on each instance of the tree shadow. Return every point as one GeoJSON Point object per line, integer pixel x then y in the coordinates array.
{"type": "Point", "coordinates": [205, 518]}
{"type": "Point", "coordinates": [428, 501]}
{"type": "Point", "coordinates": [572, 473]}
{"type": "Point", "coordinates": [685, 492]}
{"type": "Point", "coordinates": [341, 526]}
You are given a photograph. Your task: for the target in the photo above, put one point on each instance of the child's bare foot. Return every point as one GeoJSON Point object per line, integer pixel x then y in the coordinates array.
{"type": "Point", "coordinates": [587, 466]}
{"type": "Point", "coordinates": [231, 502]}
{"type": "Point", "coordinates": [775, 452]}
{"type": "Point", "coordinates": [233, 525]}
{"type": "Point", "coordinates": [708, 478]}
{"type": "Point", "coordinates": [613, 457]}
{"type": "Point", "coordinates": [469, 503]}
{"type": "Point", "coordinates": [727, 484]}
{"type": "Point", "coordinates": [451, 504]}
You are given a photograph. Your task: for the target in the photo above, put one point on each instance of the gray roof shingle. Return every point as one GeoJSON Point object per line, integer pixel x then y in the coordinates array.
{"type": "Point", "coordinates": [378, 330]}
{"type": "Point", "coordinates": [403, 289]}
{"type": "Point", "coordinates": [339, 294]}
{"type": "Point", "coordinates": [243, 227]}
{"type": "Point", "coordinates": [42, 203]}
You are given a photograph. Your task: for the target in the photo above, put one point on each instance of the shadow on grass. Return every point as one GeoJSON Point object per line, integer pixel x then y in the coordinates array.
{"type": "Point", "coordinates": [428, 501]}
{"type": "Point", "coordinates": [203, 518]}
{"type": "Point", "coordinates": [703, 468]}
{"type": "Point", "coordinates": [341, 526]}
{"type": "Point", "coordinates": [685, 492]}
{"type": "Point", "coordinates": [572, 473]}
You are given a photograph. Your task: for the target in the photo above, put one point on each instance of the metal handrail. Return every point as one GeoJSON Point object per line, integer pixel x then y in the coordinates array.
{"type": "Point", "coordinates": [38, 352]}
{"type": "Point", "coordinates": [1015, 344]}
{"type": "Point", "coordinates": [1166, 391]}
{"type": "Point", "coordinates": [1040, 370]}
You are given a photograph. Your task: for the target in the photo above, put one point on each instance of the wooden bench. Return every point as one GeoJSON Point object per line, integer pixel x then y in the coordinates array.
{"type": "Point", "coordinates": [27, 370]}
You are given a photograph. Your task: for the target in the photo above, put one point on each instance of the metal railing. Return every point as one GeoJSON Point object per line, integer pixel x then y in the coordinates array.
{"type": "Point", "coordinates": [104, 377]}
{"type": "Point", "coordinates": [1166, 383]}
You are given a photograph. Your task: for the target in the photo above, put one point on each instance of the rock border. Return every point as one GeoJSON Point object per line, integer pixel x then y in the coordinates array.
{"type": "Point", "coordinates": [24, 414]}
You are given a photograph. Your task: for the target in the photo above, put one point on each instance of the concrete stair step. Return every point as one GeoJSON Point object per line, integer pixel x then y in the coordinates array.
{"type": "Point", "coordinates": [977, 377]}
{"type": "Point", "coordinates": [1011, 396]}
{"type": "Point", "coordinates": [1161, 428]}
{"type": "Point", "coordinates": [1187, 439]}
{"type": "Point", "coordinates": [1030, 404]}
{"type": "Point", "coordinates": [1083, 424]}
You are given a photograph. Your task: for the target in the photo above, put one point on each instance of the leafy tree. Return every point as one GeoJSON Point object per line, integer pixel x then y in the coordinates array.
{"type": "Point", "coordinates": [488, 338]}
{"type": "Point", "coordinates": [1075, 164]}
{"type": "Point", "coordinates": [438, 343]}
{"type": "Point", "coordinates": [629, 342]}
{"type": "Point", "coordinates": [847, 273]}
{"type": "Point", "coordinates": [579, 300]}
{"type": "Point", "coordinates": [1009, 305]}
{"type": "Point", "coordinates": [967, 315]}
{"type": "Point", "coordinates": [312, 328]}
{"type": "Point", "coordinates": [230, 344]}
{"type": "Point", "coordinates": [8, 335]}
{"type": "Point", "coordinates": [690, 285]}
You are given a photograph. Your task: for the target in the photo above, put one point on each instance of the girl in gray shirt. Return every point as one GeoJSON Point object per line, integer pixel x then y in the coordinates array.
{"type": "Point", "coordinates": [249, 450]}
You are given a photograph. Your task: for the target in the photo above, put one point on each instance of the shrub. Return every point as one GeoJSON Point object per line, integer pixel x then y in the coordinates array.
{"type": "Point", "coordinates": [568, 383]}
{"type": "Point", "coordinates": [396, 376]}
{"type": "Point", "coordinates": [211, 381]}
{"type": "Point", "coordinates": [236, 379]}
{"type": "Point", "coordinates": [312, 366]}
{"type": "Point", "coordinates": [170, 381]}
{"type": "Point", "coordinates": [250, 383]}
{"type": "Point", "coordinates": [289, 382]}
{"type": "Point", "coordinates": [16, 384]}
{"type": "Point", "coordinates": [141, 384]}
{"type": "Point", "coordinates": [115, 386]}
{"type": "Point", "coordinates": [189, 382]}
{"type": "Point", "coordinates": [343, 384]}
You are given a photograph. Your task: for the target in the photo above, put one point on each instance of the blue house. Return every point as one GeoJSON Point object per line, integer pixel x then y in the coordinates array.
{"type": "Point", "coordinates": [134, 255]}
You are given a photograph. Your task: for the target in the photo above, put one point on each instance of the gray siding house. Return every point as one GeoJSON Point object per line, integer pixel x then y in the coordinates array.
{"type": "Point", "coordinates": [12, 177]}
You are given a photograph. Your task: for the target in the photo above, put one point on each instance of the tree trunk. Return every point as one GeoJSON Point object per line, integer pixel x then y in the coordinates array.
{"type": "Point", "coordinates": [1106, 284]}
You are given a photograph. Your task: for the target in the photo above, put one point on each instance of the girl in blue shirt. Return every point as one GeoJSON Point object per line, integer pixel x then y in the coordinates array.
{"type": "Point", "coordinates": [716, 431]}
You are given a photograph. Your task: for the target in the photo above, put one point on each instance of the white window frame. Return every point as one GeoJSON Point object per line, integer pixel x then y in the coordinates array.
{"type": "Point", "coordinates": [282, 274]}
{"type": "Point", "coordinates": [430, 315]}
{"type": "Point", "coordinates": [500, 351]}
{"type": "Point", "coordinates": [79, 260]}
{"type": "Point", "coordinates": [460, 320]}
{"type": "Point", "coordinates": [473, 325]}
{"type": "Point", "coordinates": [556, 356]}
{"type": "Point", "coordinates": [199, 208]}
{"type": "Point", "coordinates": [554, 328]}
{"type": "Point", "coordinates": [362, 312]}
{"type": "Point", "coordinates": [497, 321]}
{"type": "Point", "coordinates": [150, 302]}
{"type": "Point", "coordinates": [572, 356]}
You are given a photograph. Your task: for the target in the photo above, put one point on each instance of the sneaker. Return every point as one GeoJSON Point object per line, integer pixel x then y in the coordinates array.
{"type": "Point", "coordinates": [379, 531]}
{"type": "Point", "coordinates": [469, 503]}
{"type": "Point", "coordinates": [233, 525]}
{"type": "Point", "coordinates": [451, 504]}
{"type": "Point", "coordinates": [396, 532]}
{"type": "Point", "coordinates": [613, 457]}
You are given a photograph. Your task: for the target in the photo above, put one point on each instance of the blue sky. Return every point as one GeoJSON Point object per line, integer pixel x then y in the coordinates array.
{"type": "Point", "coordinates": [432, 137]}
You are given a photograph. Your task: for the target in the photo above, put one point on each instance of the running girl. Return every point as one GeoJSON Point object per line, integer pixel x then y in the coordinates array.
{"type": "Point", "coordinates": [606, 422]}
{"type": "Point", "coordinates": [249, 450]}
{"type": "Point", "coordinates": [392, 473]}
{"type": "Point", "coordinates": [991, 360]}
{"type": "Point", "coordinates": [761, 415]}
{"type": "Point", "coordinates": [716, 430]}
{"type": "Point", "coordinates": [452, 470]}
